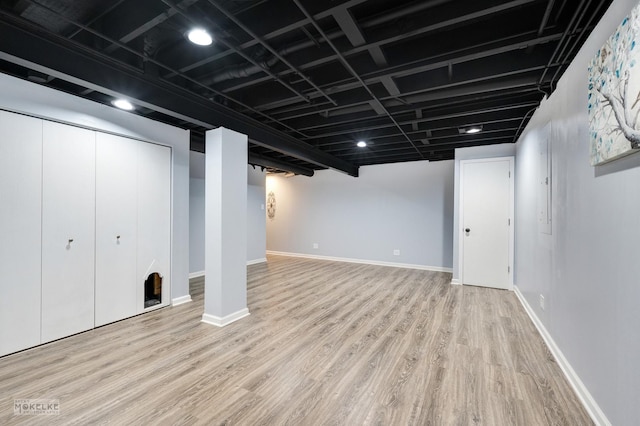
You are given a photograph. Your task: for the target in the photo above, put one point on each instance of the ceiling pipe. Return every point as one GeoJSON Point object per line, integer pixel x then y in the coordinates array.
{"type": "Point", "coordinates": [524, 119]}
{"type": "Point", "coordinates": [392, 139]}
{"type": "Point", "coordinates": [239, 51]}
{"type": "Point", "coordinates": [404, 112]}
{"type": "Point", "coordinates": [557, 49]}
{"type": "Point", "coordinates": [30, 46]}
{"type": "Point", "coordinates": [245, 71]}
{"type": "Point", "coordinates": [312, 38]}
{"type": "Point", "coordinates": [543, 23]}
{"type": "Point", "coordinates": [434, 119]}
{"type": "Point", "coordinates": [365, 24]}
{"type": "Point", "coordinates": [105, 12]}
{"type": "Point", "coordinates": [148, 26]}
{"type": "Point", "coordinates": [272, 163]}
{"type": "Point", "coordinates": [479, 51]}
{"type": "Point", "coordinates": [356, 76]}
{"type": "Point", "coordinates": [297, 25]}
{"type": "Point", "coordinates": [442, 146]}
{"type": "Point", "coordinates": [520, 87]}
{"type": "Point", "coordinates": [416, 96]}
{"type": "Point", "coordinates": [251, 70]}
{"type": "Point", "coordinates": [576, 41]}
{"type": "Point", "coordinates": [560, 10]}
{"type": "Point", "coordinates": [401, 13]}
{"type": "Point", "coordinates": [158, 63]}
{"type": "Point", "coordinates": [372, 127]}
{"type": "Point", "coordinates": [282, 52]}
{"type": "Point", "coordinates": [574, 28]}
{"type": "Point", "coordinates": [197, 144]}
{"type": "Point", "coordinates": [545, 18]}
{"type": "Point", "coordinates": [270, 49]}
{"type": "Point", "coordinates": [240, 71]}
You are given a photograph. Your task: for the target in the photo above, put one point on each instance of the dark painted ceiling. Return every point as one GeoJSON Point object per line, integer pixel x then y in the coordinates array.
{"type": "Point", "coordinates": [307, 79]}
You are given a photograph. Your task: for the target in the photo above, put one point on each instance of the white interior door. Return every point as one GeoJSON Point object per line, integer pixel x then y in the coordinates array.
{"type": "Point", "coordinates": [154, 217]}
{"type": "Point", "coordinates": [487, 205]}
{"type": "Point", "coordinates": [68, 230]}
{"type": "Point", "coordinates": [116, 228]}
{"type": "Point", "coordinates": [20, 231]}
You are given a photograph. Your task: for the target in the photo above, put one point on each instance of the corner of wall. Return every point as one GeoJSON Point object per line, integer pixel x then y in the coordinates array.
{"type": "Point", "coordinates": [587, 400]}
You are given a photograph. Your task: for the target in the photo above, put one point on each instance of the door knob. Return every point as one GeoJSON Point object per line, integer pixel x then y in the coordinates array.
{"type": "Point", "coordinates": [467, 230]}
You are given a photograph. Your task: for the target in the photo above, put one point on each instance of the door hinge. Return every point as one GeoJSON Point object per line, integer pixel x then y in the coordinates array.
{"type": "Point", "coordinates": [509, 269]}
{"type": "Point", "coordinates": [509, 173]}
{"type": "Point", "coordinates": [509, 222]}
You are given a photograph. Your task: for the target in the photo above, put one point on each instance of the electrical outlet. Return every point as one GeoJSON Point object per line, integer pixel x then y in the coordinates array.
{"type": "Point", "coordinates": [542, 302]}
{"type": "Point", "coordinates": [396, 252]}
{"type": "Point", "coordinates": [315, 245]}
{"type": "Point", "coordinates": [261, 206]}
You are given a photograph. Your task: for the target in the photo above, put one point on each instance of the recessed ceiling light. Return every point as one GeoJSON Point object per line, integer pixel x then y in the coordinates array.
{"type": "Point", "coordinates": [470, 129]}
{"type": "Point", "coordinates": [123, 104]}
{"type": "Point", "coordinates": [200, 37]}
{"type": "Point", "coordinates": [361, 144]}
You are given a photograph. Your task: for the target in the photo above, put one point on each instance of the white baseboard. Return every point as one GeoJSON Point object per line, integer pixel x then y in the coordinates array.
{"type": "Point", "coordinates": [589, 403]}
{"type": "Point", "coordinates": [196, 274]}
{"type": "Point", "coordinates": [222, 321]}
{"type": "Point", "coordinates": [180, 300]}
{"type": "Point", "coordinates": [366, 262]}
{"type": "Point", "coordinates": [455, 281]}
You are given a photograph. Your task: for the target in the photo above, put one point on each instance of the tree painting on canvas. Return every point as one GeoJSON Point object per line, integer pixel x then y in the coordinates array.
{"type": "Point", "coordinates": [614, 94]}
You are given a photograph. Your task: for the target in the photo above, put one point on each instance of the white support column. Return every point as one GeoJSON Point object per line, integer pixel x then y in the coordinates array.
{"type": "Point", "coordinates": [225, 283]}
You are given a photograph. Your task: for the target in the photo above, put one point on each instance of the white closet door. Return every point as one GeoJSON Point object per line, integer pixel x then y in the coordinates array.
{"type": "Point", "coordinates": [20, 231]}
{"type": "Point", "coordinates": [116, 236]}
{"type": "Point", "coordinates": [154, 217]}
{"type": "Point", "coordinates": [68, 230]}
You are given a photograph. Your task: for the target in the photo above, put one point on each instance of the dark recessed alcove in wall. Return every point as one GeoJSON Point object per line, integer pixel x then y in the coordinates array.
{"type": "Point", "coordinates": [153, 290]}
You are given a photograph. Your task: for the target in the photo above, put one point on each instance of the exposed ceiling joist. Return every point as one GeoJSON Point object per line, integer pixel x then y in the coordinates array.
{"type": "Point", "coordinates": [304, 79]}
{"type": "Point", "coordinates": [274, 34]}
{"type": "Point", "coordinates": [348, 66]}
{"type": "Point", "coordinates": [348, 26]}
{"type": "Point", "coordinates": [149, 25]}
{"type": "Point", "coordinates": [28, 46]}
{"type": "Point", "coordinates": [272, 163]}
{"type": "Point", "coordinates": [264, 43]}
{"type": "Point", "coordinates": [470, 54]}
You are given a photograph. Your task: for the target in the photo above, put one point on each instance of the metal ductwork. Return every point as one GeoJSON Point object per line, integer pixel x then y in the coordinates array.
{"type": "Point", "coordinates": [241, 71]}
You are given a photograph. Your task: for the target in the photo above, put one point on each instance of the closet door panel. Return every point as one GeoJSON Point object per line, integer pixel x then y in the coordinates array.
{"type": "Point", "coordinates": [68, 230]}
{"type": "Point", "coordinates": [116, 236]}
{"type": "Point", "coordinates": [20, 231]}
{"type": "Point", "coordinates": [154, 216]}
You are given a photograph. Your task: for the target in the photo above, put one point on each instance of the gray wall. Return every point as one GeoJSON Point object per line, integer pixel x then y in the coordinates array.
{"type": "Point", "coordinates": [588, 268]}
{"type": "Point", "coordinates": [256, 216]}
{"type": "Point", "coordinates": [196, 225]}
{"type": "Point", "coordinates": [405, 206]}
{"type": "Point", "coordinates": [256, 226]}
{"type": "Point", "coordinates": [196, 213]}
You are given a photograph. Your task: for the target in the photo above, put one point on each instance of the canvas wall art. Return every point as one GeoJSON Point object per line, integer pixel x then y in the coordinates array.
{"type": "Point", "coordinates": [614, 94]}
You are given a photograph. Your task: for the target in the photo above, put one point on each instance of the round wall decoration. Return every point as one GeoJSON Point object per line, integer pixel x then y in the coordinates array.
{"type": "Point", "coordinates": [271, 205]}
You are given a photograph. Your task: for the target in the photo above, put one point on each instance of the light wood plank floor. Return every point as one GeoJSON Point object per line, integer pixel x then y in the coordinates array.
{"type": "Point", "coordinates": [326, 343]}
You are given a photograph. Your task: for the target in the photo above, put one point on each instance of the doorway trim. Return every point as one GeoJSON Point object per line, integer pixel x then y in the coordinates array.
{"type": "Point", "coordinates": [511, 160]}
